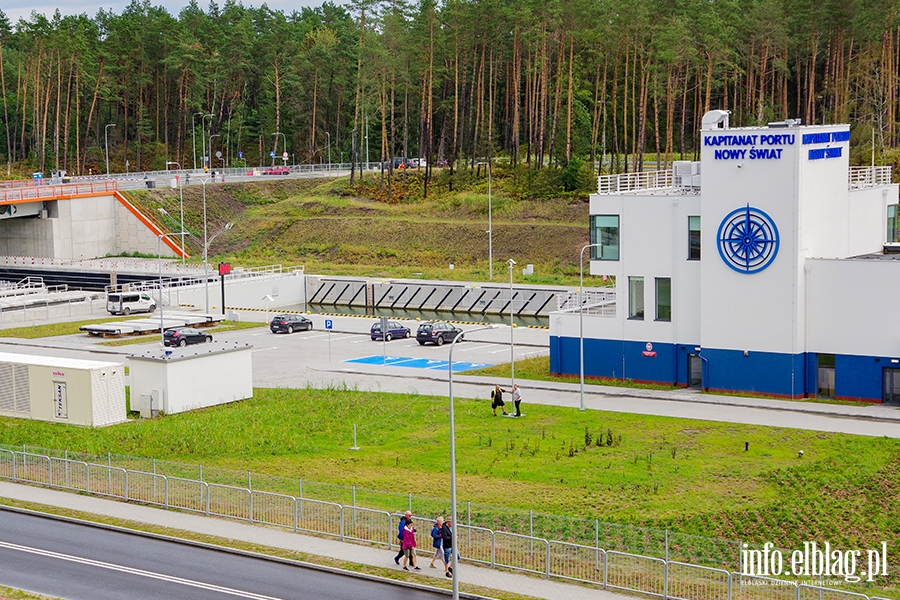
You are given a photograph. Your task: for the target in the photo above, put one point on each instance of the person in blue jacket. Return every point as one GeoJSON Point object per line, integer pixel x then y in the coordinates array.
{"type": "Point", "coordinates": [436, 541]}
{"type": "Point", "coordinates": [406, 518]}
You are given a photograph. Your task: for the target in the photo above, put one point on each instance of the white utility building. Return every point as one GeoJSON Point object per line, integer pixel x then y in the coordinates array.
{"type": "Point", "coordinates": [62, 390]}
{"type": "Point", "coordinates": [773, 276]}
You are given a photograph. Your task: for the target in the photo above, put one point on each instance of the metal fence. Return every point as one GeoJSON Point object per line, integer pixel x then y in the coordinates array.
{"type": "Point", "coordinates": [611, 569]}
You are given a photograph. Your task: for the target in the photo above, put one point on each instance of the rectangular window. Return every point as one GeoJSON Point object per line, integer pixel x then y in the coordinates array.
{"type": "Point", "coordinates": [605, 232]}
{"type": "Point", "coordinates": [693, 238]}
{"type": "Point", "coordinates": [892, 223]}
{"type": "Point", "coordinates": [635, 297]}
{"type": "Point", "coordinates": [663, 299]}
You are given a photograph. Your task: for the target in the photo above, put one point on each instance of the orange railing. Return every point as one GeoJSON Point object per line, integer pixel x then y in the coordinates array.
{"type": "Point", "coordinates": [34, 193]}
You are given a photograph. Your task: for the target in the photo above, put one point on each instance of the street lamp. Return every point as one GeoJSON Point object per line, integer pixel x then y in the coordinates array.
{"type": "Point", "coordinates": [581, 320]}
{"type": "Point", "coordinates": [512, 347]}
{"type": "Point", "coordinates": [277, 133]}
{"type": "Point", "coordinates": [329, 150]}
{"type": "Point", "coordinates": [194, 137]}
{"type": "Point", "coordinates": [203, 136]}
{"type": "Point", "coordinates": [162, 335]}
{"type": "Point", "coordinates": [490, 230]}
{"type": "Point", "coordinates": [106, 136]}
{"type": "Point", "coordinates": [455, 537]}
{"type": "Point", "coordinates": [210, 147]}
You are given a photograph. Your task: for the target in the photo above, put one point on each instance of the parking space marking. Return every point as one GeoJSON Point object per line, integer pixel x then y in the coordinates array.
{"type": "Point", "coordinates": [417, 363]}
{"type": "Point", "coordinates": [477, 347]}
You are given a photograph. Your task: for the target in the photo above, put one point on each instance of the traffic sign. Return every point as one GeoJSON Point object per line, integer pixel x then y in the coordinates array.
{"type": "Point", "coordinates": [284, 155]}
{"type": "Point", "coordinates": [240, 154]}
{"type": "Point", "coordinates": [329, 324]}
{"type": "Point", "coordinates": [271, 154]}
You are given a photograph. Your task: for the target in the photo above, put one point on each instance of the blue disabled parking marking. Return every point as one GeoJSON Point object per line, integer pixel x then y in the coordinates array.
{"type": "Point", "coordinates": [417, 363]}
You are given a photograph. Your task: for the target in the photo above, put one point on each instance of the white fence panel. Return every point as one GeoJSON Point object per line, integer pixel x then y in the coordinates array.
{"type": "Point", "coordinates": [150, 488]}
{"type": "Point", "coordinates": [229, 501]}
{"type": "Point", "coordinates": [636, 573]}
{"type": "Point", "coordinates": [693, 582]}
{"type": "Point", "coordinates": [577, 562]}
{"type": "Point", "coordinates": [274, 509]}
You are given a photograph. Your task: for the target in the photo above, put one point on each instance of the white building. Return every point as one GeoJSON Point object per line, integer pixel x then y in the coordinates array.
{"type": "Point", "coordinates": [774, 276]}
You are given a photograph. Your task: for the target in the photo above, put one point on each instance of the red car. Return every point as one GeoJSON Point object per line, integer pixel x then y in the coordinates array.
{"type": "Point", "coordinates": [277, 171]}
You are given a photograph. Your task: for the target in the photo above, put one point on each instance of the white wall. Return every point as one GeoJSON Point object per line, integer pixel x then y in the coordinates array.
{"type": "Point", "coordinates": [750, 311]}
{"type": "Point", "coordinates": [653, 242]}
{"type": "Point", "coordinates": [851, 303]}
{"type": "Point", "coordinates": [195, 376]}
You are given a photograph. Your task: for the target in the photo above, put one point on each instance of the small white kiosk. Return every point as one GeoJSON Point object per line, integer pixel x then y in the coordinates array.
{"type": "Point", "coordinates": [62, 390]}
{"type": "Point", "coordinates": [183, 379]}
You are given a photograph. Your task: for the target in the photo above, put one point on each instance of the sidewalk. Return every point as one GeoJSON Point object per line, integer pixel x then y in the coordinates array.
{"type": "Point", "coordinates": [502, 581]}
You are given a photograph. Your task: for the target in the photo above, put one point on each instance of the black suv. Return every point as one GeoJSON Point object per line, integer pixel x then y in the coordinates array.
{"type": "Point", "coordinates": [437, 332]}
{"type": "Point", "coordinates": [290, 323]}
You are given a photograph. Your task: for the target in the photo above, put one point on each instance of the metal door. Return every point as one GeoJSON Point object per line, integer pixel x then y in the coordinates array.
{"type": "Point", "coordinates": [891, 385]}
{"type": "Point", "coordinates": [695, 371]}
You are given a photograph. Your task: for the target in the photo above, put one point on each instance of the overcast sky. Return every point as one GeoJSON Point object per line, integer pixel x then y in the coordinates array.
{"type": "Point", "coordinates": [21, 9]}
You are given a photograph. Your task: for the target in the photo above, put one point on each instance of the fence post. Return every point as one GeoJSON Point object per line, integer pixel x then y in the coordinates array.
{"type": "Point", "coordinates": [547, 545]}
{"type": "Point", "coordinates": [597, 543]}
{"type": "Point", "coordinates": [666, 577]}
{"type": "Point", "coordinates": [667, 544]}
{"type": "Point", "coordinates": [249, 481]}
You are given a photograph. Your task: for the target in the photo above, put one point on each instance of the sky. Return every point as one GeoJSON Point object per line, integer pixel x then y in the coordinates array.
{"type": "Point", "coordinates": [22, 9]}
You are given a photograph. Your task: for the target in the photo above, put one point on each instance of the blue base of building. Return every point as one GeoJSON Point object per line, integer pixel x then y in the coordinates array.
{"type": "Point", "coordinates": [766, 373]}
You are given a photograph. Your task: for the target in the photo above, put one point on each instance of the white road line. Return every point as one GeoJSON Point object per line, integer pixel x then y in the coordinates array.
{"type": "Point", "coordinates": [477, 347]}
{"type": "Point", "coordinates": [501, 350]}
{"type": "Point", "coordinates": [265, 349]}
{"type": "Point", "coordinates": [138, 572]}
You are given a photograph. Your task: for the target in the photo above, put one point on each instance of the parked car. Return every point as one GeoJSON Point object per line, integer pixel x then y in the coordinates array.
{"type": "Point", "coordinates": [127, 303]}
{"type": "Point", "coordinates": [395, 330]}
{"type": "Point", "coordinates": [436, 332]}
{"type": "Point", "coordinates": [184, 336]}
{"type": "Point", "coordinates": [290, 323]}
{"type": "Point", "coordinates": [277, 171]}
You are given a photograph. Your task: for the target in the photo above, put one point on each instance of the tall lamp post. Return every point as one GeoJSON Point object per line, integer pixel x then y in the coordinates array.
{"type": "Point", "coordinates": [203, 136]}
{"type": "Point", "coordinates": [453, 559]}
{"type": "Point", "coordinates": [276, 134]}
{"type": "Point", "coordinates": [581, 321]}
{"type": "Point", "coordinates": [490, 230]}
{"type": "Point", "coordinates": [329, 150]}
{"type": "Point", "coordinates": [162, 333]}
{"type": "Point", "coordinates": [512, 346]}
{"type": "Point", "coordinates": [106, 137]}
{"type": "Point", "coordinates": [194, 137]}
{"type": "Point", "coordinates": [210, 147]}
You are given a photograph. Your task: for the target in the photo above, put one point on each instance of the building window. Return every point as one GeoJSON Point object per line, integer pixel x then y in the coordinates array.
{"type": "Point", "coordinates": [635, 297]}
{"type": "Point", "coordinates": [693, 238]}
{"type": "Point", "coordinates": [605, 233]}
{"type": "Point", "coordinates": [663, 299]}
{"type": "Point", "coordinates": [892, 223]}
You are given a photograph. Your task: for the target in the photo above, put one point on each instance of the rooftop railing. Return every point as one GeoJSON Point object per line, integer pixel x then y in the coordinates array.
{"type": "Point", "coordinates": [866, 177]}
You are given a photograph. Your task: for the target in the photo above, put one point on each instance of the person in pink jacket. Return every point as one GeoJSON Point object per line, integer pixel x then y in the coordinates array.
{"type": "Point", "coordinates": [408, 545]}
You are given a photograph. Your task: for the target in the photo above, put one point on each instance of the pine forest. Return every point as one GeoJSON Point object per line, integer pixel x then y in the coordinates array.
{"type": "Point", "coordinates": [609, 85]}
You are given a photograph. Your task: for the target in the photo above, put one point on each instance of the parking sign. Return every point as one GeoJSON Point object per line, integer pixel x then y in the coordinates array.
{"type": "Point", "coordinates": [328, 324]}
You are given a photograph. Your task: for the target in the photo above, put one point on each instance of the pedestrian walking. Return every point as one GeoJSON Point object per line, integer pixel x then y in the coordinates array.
{"type": "Point", "coordinates": [408, 545]}
{"type": "Point", "coordinates": [497, 400]}
{"type": "Point", "coordinates": [447, 544]}
{"type": "Point", "coordinates": [517, 399]}
{"type": "Point", "coordinates": [406, 518]}
{"type": "Point", "coordinates": [436, 541]}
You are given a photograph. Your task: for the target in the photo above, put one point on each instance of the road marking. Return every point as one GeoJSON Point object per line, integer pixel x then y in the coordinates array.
{"type": "Point", "coordinates": [265, 349]}
{"type": "Point", "coordinates": [477, 347]}
{"type": "Point", "coordinates": [138, 572]}
{"type": "Point", "coordinates": [500, 350]}
{"type": "Point", "coordinates": [265, 333]}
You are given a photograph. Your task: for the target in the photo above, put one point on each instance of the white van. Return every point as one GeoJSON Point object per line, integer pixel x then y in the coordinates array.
{"type": "Point", "coordinates": [125, 303]}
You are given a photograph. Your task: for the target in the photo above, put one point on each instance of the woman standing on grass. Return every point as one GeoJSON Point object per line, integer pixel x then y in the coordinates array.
{"type": "Point", "coordinates": [436, 541]}
{"type": "Point", "coordinates": [409, 546]}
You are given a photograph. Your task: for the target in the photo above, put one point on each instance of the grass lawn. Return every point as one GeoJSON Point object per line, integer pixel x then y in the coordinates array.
{"type": "Point", "coordinates": [690, 476]}
{"type": "Point", "coordinates": [538, 368]}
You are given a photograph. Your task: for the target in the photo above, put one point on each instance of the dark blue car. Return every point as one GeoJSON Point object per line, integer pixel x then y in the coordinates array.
{"type": "Point", "coordinates": [395, 330]}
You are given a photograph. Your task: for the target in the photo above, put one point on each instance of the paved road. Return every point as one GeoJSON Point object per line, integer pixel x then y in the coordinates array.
{"type": "Point", "coordinates": [83, 562]}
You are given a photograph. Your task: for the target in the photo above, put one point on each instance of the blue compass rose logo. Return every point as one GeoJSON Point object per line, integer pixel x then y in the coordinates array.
{"type": "Point", "coordinates": [747, 240]}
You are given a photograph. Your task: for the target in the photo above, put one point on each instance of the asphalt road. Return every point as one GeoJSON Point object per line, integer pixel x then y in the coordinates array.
{"type": "Point", "coordinates": [82, 562]}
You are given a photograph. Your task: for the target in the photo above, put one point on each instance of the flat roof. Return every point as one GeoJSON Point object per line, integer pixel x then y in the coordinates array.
{"type": "Point", "coordinates": [56, 361]}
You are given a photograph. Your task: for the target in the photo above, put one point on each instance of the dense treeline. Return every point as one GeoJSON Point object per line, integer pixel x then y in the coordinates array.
{"type": "Point", "coordinates": [540, 83]}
